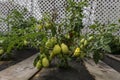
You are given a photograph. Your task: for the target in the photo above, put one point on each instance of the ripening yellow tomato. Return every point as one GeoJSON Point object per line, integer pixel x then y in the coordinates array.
{"type": "Point", "coordinates": [76, 52]}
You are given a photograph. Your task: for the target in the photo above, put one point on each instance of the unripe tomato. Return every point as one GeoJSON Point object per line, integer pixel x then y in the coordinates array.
{"type": "Point", "coordinates": [77, 52]}
{"type": "Point", "coordinates": [1, 51]}
{"type": "Point", "coordinates": [51, 55]}
{"type": "Point", "coordinates": [40, 27]}
{"type": "Point", "coordinates": [25, 42]}
{"type": "Point", "coordinates": [64, 48]}
{"type": "Point", "coordinates": [53, 40]}
{"type": "Point", "coordinates": [39, 65]}
{"type": "Point", "coordinates": [90, 38]}
{"type": "Point", "coordinates": [85, 43]}
{"type": "Point", "coordinates": [49, 44]}
{"type": "Point", "coordinates": [81, 46]}
{"type": "Point", "coordinates": [82, 40]}
{"type": "Point", "coordinates": [56, 49]}
{"type": "Point", "coordinates": [67, 36]}
{"type": "Point", "coordinates": [82, 55]}
{"type": "Point", "coordinates": [45, 62]}
{"type": "Point", "coordinates": [48, 25]}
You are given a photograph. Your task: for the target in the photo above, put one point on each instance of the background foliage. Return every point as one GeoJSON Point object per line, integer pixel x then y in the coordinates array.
{"type": "Point", "coordinates": [64, 41]}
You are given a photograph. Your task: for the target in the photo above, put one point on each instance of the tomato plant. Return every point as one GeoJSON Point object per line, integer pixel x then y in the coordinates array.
{"type": "Point", "coordinates": [105, 39]}
{"type": "Point", "coordinates": [22, 33]}
{"type": "Point", "coordinates": [62, 40]}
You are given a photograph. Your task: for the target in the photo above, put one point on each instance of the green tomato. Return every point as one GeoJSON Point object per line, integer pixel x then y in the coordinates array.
{"type": "Point", "coordinates": [56, 49]}
{"type": "Point", "coordinates": [77, 52]}
{"type": "Point", "coordinates": [49, 44]}
{"type": "Point", "coordinates": [1, 51]}
{"type": "Point", "coordinates": [64, 48]}
{"type": "Point", "coordinates": [82, 55]}
{"type": "Point", "coordinates": [82, 40]}
{"type": "Point", "coordinates": [90, 38]}
{"type": "Point", "coordinates": [85, 43]}
{"type": "Point", "coordinates": [67, 36]}
{"type": "Point", "coordinates": [39, 65]}
{"type": "Point", "coordinates": [45, 62]}
{"type": "Point", "coordinates": [25, 42]}
{"type": "Point", "coordinates": [40, 27]}
{"type": "Point", "coordinates": [81, 46]}
{"type": "Point", "coordinates": [51, 55]}
{"type": "Point", "coordinates": [53, 40]}
{"type": "Point", "coordinates": [48, 25]}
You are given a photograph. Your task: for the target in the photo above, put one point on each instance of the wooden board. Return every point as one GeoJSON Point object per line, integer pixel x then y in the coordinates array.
{"type": "Point", "coordinates": [20, 71]}
{"type": "Point", "coordinates": [114, 57]}
{"type": "Point", "coordinates": [101, 71]}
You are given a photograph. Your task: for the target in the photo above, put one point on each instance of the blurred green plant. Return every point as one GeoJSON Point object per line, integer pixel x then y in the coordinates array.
{"type": "Point", "coordinates": [22, 33]}
{"type": "Point", "coordinates": [63, 38]}
{"type": "Point", "coordinates": [105, 39]}
{"type": "Point", "coordinates": [63, 41]}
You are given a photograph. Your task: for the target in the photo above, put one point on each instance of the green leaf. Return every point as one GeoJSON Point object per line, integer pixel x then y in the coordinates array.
{"type": "Point", "coordinates": [107, 48]}
{"type": "Point", "coordinates": [113, 24]}
{"type": "Point", "coordinates": [93, 26]}
{"type": "Point", "coordinates": [96, 57]}
{"type": "Point", "coordinates": [119, 20]}
{"type": "Point", "coordinates": [36, 60]}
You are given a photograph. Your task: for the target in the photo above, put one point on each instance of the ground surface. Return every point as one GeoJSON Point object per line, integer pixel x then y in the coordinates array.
{"type": "Point", "coordinates": [20, 71]}
{"type": "Point", "coordinates": [117, 56]}
{"type": "Point", "coordinates": [76, 72]}
{"type": "Point", "coordinates": [113, 61]}
{"type": "Point", "coordinates": [18, 56]}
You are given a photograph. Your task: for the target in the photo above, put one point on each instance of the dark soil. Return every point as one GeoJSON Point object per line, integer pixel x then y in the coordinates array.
{"type": "Point", "coordinates": [76, 71]}
{"type": "Point", "coordinates": [112, 62]}
{"type": "Point", "coordinates": [117, 56]}
{"type": "Point", "coordinates": [17, 57]}
{"type": "Point", "coordinates": [116, 52]}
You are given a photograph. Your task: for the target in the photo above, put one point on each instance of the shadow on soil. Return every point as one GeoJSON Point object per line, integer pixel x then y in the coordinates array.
{"type": "Point", "coordinates": [17, 57]}
{"type": "Point", "coordinates": [76, 71]}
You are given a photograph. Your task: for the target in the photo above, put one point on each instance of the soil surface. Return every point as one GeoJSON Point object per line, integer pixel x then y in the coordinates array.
{"type": "Point", "coordinates": [17, 57]}
{"type": "Point", "coordinates": [76, 71]}
{"type": "Point", "coordinates": [114, 63]}
{"type": "Point", "coordinates": [117, 56]}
